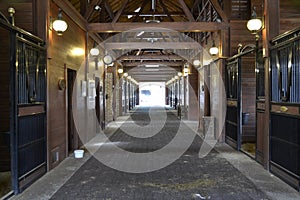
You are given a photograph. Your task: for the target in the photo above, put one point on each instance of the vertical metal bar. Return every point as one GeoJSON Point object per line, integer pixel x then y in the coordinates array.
{"type": "Point", "coordinates": [13, 112]}
{"type": "Point", "coordinates": [293, 84]}
{"type": "Point", "coordinates": [239, 103]}
{"type": "Point", "coordinates": [279, 81]}
{"type": "Point", "coordinates": [289, 74]}
{"type": "Point", "coordinates": [297, 69]}
{"type": "Point", "coordinates": [36, 85]}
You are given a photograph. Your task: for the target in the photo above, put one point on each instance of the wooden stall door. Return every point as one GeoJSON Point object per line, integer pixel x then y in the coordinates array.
{"type": "Point", "coordinates": [285, 108]}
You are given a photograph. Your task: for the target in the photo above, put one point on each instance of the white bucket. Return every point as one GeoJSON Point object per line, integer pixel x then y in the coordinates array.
{"type": "Point", "coordinates": [78, 153]}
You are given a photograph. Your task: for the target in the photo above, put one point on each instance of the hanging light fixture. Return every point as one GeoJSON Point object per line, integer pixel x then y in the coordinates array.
{"type": "Point", "coordinates": [94, 51]}
{"type": "Point", "coordinates": [213, 50]}
{"type": "Point", "coordinates": [254, 24]}
{"type": "Point", "coordinates": [186, 69]}
{"type": "Point", "coordinates": [196, 62]}
{"type": "Point", "coordinates": [59, 25]}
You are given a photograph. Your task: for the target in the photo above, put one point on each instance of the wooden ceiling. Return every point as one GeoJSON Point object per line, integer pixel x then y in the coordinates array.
{"type": "Point", "coordinates": [140, 10]}
{"type": "Point", "coordinates": [194, 18]}
{"type": "Point", "coordinates": [110, 18]}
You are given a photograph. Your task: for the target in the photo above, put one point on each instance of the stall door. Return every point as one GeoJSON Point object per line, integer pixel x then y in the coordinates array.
{"type": "Point", "coordinates": [232, 123]}
{"type": "Point", "coordinates": [28, 111]}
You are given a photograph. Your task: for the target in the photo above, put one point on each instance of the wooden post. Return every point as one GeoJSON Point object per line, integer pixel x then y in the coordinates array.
{"type": "Point", "coordinates": [271, 29]}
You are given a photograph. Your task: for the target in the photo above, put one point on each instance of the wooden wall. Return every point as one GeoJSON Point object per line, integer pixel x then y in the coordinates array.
{"type": "Point", "coordinates": [5, 161]}
{"type": "Point", "coordinates": [248, 96]}
{"type": "Point", "coordinates": [60, 57]}
{"type": "Point", "coordinates": [289, 15]}
{"type": "Point", "coordinates": [239, 34]}
{"type": "Point", "coordinates": [24, 12]}
{"type": "Point", "coordinates": [4, 80]}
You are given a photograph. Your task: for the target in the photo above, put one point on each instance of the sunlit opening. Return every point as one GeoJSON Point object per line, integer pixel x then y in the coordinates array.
{"type": "Point", "coordinates": [152, 93]}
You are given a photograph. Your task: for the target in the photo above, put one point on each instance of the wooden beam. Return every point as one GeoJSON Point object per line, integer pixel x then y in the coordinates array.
{"type": "Point", "coordinates": [117, 16]}
{"type": "Point", "coordinates": [83, 7]}
{"type": "Point", "coordinates": [157, 72]}
{"type": "Point", "coordinates": [90, 9]}
{"type": "Point", "coordinates": [149, 45]}
{"type": "Point", "coordinates": [136, 15]}
{"type": "Point", "coordinates": [69, 9]}
{"type": "Point", "coordinates": [151, 57]}
{"type": "Point", "coordinates": [96, 37]}
{"type": "Point", "coordinates": [196, 3]}
{"type": "Point", "coordinates": [150, 14]}
{"type": "Point", "coordinates": [166, 10]}
{"type": "Point", "coordinates": [219, 10]}
{"type": "Point", "coordinates": [165, 69]}
{"type": "Point", "coordinates": [176, 26]}
{"type": "Point", "coordinates": [186, 11]}
{"type": "Point", "coordinates": [135, 64]}
{"type": "Point", "coordinates": [109, 10]}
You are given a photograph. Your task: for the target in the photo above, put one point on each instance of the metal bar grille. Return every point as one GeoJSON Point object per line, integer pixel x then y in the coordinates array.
{"type": "Point", "coordinates": [285, 66]}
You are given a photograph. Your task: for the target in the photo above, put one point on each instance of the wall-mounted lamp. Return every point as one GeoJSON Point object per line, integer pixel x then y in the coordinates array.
{"type": "Point", "coordinates": [214, 50]}
{"type": "Point", "coordinates": [255, 24]}
{"type": "Point", "coordinates": [179, 74]}
{"type": "Point", "coordinates": [120, 70]}
{"type": "Point", "coordinates": [125, 74]}
{"type": "Point", "coordinates": [59, 25]}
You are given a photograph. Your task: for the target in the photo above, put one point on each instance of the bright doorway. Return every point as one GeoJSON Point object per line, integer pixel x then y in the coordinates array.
{"type": "Point", "coordinates": [152, 93]}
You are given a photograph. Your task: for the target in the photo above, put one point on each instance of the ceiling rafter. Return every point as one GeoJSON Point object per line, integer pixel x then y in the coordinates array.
{"type": "Point", "coordinates": [166, 10]}
{"type": "Point", "coordinates": [135, 19]}
{"type": "Point", "coordinates": [150, 45]}
{"type": "Point", "coordinates": [186, 11]}
{"type": "Point", "coordinates": [196, 3]}
{"type": "Point", "coordinates": [178, 26]}
{"type": "Point", "coordinates": [150, 57]}
{"type": "Point", "coordinates": [219, 10]}
{"type": "Point", "coordinates": [83, 6]}
{"type": "Point", "coordinates": [120, 11]}
{"type": "Point", "coordinates": [91, 8]}
{"type": "Point", "coordinates": [109, 10]}
{"type": "Point", "coordinates": [138, 63]}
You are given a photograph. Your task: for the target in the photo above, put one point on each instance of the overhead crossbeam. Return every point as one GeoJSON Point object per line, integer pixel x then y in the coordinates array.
{"type": "Point", "coordinates": [176, 26]}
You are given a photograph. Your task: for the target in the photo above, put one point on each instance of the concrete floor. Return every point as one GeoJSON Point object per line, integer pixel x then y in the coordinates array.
{"type": "Point", "coordinates": [223, 174]}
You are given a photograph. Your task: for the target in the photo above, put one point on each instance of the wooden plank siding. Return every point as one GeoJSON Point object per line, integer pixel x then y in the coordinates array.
{"type": "Point", "coordinates": [24, 12]}
{"type": "Point", "coordinates": [5, 159]}
{"type": "Point", "coordinates": [248, 97]}
{"type": "Point", "coordinates": [289, 15]}
{"type": "Point", "coordinates": [4, 80]}
{"type": "Point", "coordinates": [239, 34]}
{"type": "Point", "coordinates": [60, 57]}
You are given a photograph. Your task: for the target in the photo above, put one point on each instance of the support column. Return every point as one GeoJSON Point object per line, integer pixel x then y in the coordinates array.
{"type": "Point", "coordinates": [271, 29]}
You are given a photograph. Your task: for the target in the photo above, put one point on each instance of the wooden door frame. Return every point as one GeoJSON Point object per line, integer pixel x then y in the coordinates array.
{"type": "Point", "coordinates": [66, 76]}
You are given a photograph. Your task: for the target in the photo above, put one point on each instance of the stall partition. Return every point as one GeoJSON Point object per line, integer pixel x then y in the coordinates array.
{"type": "Point", "coordinates": [240, 81]}
{"type": "Point", "coordinates": [23, 108]}
{"type": "Point", "coordinates": [285, 107]}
